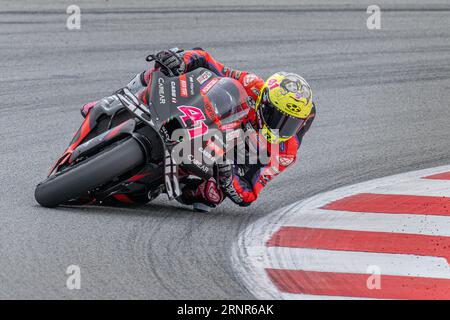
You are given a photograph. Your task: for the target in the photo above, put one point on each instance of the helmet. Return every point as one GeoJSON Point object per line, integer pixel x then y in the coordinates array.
{"type": "Point", "coordinates": [283, 106]}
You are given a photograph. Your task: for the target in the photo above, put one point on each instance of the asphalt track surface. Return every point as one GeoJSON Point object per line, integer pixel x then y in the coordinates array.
{"type": "Point", "coordinates": [383, 108]}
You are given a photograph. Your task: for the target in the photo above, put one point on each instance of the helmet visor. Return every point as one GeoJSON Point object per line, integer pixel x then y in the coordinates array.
{"type": "Point", "coordinates": [275, 119]}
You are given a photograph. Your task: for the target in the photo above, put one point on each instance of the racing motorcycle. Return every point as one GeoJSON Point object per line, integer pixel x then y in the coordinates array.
{"type": "Point", "coordinates": [131, 143]}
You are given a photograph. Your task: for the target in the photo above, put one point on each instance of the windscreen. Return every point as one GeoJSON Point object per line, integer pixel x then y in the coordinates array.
{"type": "Point", "coordinates": [228, 99]}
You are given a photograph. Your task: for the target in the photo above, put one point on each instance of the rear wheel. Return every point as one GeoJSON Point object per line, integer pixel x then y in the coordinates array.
{"type": "Point", "coordinates": [91, 173]}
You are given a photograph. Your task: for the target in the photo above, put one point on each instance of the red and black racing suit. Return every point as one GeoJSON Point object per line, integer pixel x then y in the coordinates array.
{"type": "Point", "coordinates": [247, 180]}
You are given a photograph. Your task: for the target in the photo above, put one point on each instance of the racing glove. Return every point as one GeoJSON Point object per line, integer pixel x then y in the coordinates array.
{"type": "Point", "coordinates": [237, 190]}
{"type": "Point", "coordinates": [170, 62]}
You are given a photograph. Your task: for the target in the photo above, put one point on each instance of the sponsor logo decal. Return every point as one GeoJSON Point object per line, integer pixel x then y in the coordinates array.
{"type": "Point", "coordinates": [231, 125]}
{"type": "Point", "coordinates": [191, 85]}
{"type": "Point", "coordinates": [203, 77]}
{"type": "Point", "coordinates": [198, 164]}
{"type": "Point", "coordinates": [209, 85]}
{"type": "Point", "coordinates": [173, 91]}
{"type": "Point", "coordinates": [193, 116]}
{"type": "Point", "coordinates": [285, 160]}
{"type": "Point", "coordinates": [183, 86]}
{"type": "Point", "coordinates": [210, 112]}
{"type": "Point", "coordinates": [165, 133]}
{"type": "Point", "coordinates": [161, 93]}
{"type": "Point", "coordinates": [233, 135]}
{"type": "Point", "coordinates": [273, 83]}
{"type": "Point", "coordinates": [232, 193]}
{"type": "Point", "coordinates": [249, 79]}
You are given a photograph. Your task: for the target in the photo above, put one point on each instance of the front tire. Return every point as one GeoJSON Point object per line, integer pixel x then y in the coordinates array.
{"type": "Point", "coordinates": [102, 168]}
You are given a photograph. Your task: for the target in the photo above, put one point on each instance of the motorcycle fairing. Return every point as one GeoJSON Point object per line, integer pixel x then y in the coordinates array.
{"type": "Point", "coordinates": [89, 123]}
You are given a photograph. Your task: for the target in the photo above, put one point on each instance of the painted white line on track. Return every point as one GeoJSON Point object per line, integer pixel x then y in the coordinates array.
{"type": "Point", "coordinates": [361, 221]}
{"type": "Point", "coordinates": [353, 262]}
{"type": "Point", "coordinates": [421, 187]}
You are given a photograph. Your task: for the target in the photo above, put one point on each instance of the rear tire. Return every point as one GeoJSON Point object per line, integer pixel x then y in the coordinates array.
{"type": "Point", "coordinates": [102, 168]}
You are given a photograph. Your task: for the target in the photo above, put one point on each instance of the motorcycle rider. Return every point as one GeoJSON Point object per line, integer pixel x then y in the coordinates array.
{"type": "Point", "coordinates": [283, 112]}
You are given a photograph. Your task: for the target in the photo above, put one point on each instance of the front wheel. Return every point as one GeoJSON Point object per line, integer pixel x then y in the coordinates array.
{"type": "Point", "coordinates": [94, 172]}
